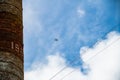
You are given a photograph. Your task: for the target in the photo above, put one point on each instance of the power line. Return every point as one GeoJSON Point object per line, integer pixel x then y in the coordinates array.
{"type": "Point", "coordinates": [91, 58]}
{"type": "Point", "coordinates": [67, 74]}
{"type": "Point", "coordinates": [60, 71]}
{"type": "Point", "coordinates": [102, 50]}
{"type": "Point", "coordinates": [74, 61]}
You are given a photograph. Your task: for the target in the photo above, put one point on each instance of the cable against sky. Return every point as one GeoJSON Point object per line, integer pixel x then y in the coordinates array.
{"type": "Point", "coordinates": [87, 59]}
{"type": "Point", "coordinates": [100, 52]}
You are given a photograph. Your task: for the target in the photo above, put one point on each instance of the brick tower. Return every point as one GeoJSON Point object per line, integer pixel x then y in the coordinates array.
{"type": "Point", "coordinates": [11, 40]}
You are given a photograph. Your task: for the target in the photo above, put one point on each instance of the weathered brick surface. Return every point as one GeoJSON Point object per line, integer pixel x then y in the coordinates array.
{"type": "Point", "coordinates": [11, 6]}
{"type": "Point", "coordinates": [16, 3]}
{"type": "Point", "coordinates": [11, 40]}
{"type": "Point", "coordinates": [8, 76]}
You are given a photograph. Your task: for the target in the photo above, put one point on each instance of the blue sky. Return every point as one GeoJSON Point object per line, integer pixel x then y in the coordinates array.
{"type": "Point", "coordinates": [74, 23]}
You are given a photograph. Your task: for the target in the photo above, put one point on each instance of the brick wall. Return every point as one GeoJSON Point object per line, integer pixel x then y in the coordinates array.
{"type": "Point", "coordinates": [11, 40]}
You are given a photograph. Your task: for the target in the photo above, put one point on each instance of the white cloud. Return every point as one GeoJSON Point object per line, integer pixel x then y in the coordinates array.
{"type": "Point", "coordinates": [81, 12]}
{"type": "Point", "coordinates": [104, 66]}
{"type": "Point", "coordinates": [45, 72]}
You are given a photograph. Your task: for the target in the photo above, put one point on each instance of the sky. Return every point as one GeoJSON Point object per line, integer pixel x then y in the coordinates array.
{"type": "Point", "coordinates": [81, 36]}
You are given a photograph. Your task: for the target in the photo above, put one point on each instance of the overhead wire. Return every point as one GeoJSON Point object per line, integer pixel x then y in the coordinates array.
{"type": "Point", "coordinates": [60, 70]}
{"type": "Point", "coordinates": [75, 61]}
{"type": "Point", "coordinates": [92, 57]}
